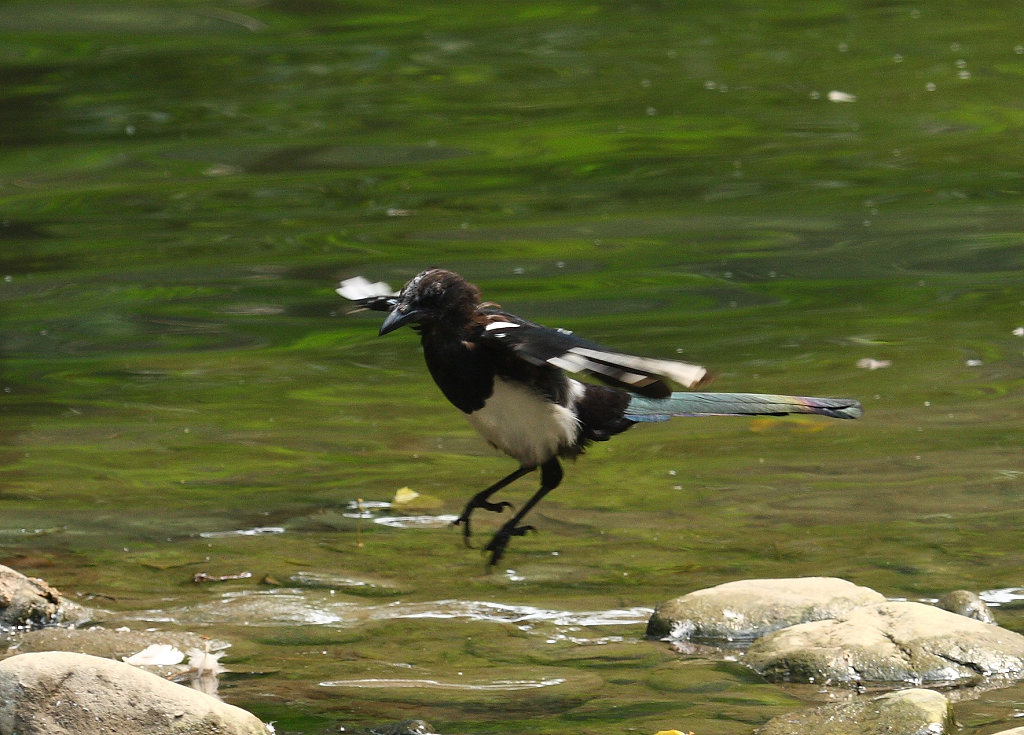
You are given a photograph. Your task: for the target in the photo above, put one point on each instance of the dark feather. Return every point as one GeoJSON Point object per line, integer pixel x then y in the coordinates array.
{"type": "Point", "coordinates": [375, 303]}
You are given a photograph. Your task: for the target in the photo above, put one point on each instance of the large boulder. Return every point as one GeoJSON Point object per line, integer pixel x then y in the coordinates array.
{"type": "Point", "coordinates": [906, 712]}
{"type": "Point", "coordinates": [748, 609]}
{"type": "Point", "coordinates": [25, 602]}
{"type": "Point", "coordinates": [75, 694]}
{"type": "Point", "coordinates": [890, 642]}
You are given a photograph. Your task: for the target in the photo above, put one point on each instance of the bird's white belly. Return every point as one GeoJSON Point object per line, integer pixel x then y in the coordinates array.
{"type": "Point", "coordinates": [521, 423]}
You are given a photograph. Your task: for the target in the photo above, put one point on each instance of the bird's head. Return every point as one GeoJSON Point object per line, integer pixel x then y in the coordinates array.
{"type": "Point", "coordinates": [433, 296]}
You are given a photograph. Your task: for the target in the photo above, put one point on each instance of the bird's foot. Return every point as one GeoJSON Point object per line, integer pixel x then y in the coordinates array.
{"type": "Point", "coordinates": [500, 540]}
{"type": "Point", "coordinates": [498, 507]}
{"type": "Point", "coordinates": [463, 520]}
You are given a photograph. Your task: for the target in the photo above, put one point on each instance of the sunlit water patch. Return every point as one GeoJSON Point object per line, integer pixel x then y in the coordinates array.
{"type": "Point", "coordinates": [425, 521]}
{"type": "Point", "coordinates": [258, 531]}
{"type": "Point", "coordinates": [365, 508]}
{"type": "Point", "coordinates": [369, 510]}
{"type": "Point", "coordinates": [524, 616]}
{"type": "Point", "coordinates": [1006, 597]}
{"type": "Point", "coordinates": [319, 607]}
{"type": "Point", "coordinates": [331, 581]}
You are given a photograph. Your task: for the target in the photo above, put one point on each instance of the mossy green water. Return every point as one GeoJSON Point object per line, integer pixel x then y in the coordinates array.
{"type": "Point", "coordinates": [182, 186]}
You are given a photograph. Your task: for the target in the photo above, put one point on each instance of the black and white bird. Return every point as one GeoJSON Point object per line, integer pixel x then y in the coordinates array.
{"type": "Point", "coordinates": [508, 376]}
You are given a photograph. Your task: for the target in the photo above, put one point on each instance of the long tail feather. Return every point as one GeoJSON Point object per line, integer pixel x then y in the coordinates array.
{"type": "Point", "coordinates": [737, 404]}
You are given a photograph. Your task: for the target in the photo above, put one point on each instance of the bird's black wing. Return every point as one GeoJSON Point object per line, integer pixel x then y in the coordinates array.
{"type": "Point", "coordinates": [539, 344]}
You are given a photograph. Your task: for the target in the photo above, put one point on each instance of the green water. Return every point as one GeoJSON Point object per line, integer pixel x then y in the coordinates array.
{"type": "Point", "coordinates": [182, 185]}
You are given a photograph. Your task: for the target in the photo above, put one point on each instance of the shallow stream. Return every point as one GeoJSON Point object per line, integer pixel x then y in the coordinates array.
{"type": "Point", "coordinates": [182, 185]}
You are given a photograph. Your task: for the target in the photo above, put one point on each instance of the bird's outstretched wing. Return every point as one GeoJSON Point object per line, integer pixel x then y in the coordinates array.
{"type": "Point", "coordinates": [539, 344]}
{"type": "Point", "coordinates": [368, 295]}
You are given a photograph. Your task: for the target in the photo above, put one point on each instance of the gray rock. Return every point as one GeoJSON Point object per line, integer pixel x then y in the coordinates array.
{"type": "Point", "coordinates": [963, 602]}
{"type": "Point", "coordinates": [75, 694]}
{"type": "Point", "coordinates": [25, 601]}
{"type": "Point", "coordinates": [750, 608]}
{"type": "Point", "coordinates": [906, 712]}
{"type": "Point", "coordinates": [890, 642]}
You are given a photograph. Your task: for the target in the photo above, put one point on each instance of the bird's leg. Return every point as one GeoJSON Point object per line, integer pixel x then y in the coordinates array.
{"type": "Point", "coordinates": [550, 476]}
{"type": "Point", "coordinates": [480, 501]}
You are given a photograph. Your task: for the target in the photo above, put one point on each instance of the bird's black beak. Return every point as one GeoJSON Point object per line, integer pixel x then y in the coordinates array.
{"type": "Point", "coordinates": [398, 319]}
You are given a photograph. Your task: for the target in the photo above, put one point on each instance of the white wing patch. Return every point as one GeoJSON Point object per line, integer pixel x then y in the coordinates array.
{"type": "Point", "coordinates": [607, 363]}
{"type": "Point", "coordinates": [357, 288]}
{"type": "Point", "coordinates": [500, 325]}
{"type": "Point", "coordinates": [572, 363]}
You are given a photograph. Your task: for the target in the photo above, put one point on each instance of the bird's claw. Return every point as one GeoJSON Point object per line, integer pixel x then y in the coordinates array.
{"type": "Point", "coordinates": [500, 540]}
{"type": "Point", "coordinates": [463, 520]}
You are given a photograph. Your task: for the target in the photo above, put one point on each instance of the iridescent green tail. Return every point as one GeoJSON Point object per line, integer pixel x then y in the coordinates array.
{"type": "Point", "coordinates": [737, 404]}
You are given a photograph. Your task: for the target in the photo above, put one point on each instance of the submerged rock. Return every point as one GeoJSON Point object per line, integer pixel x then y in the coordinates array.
{"type": "Point", "coordinates": [117, 644]}
{"type": "Point", "coordinates": [188, 656]}
{"type": "Point", "coordinates": [57, 693]}
{"type": "Point", "coordinates": [751, 608]}
{"type": "Point", "coordinates": [26, 602]}
{"type": "Point", "coordinates": [890, 642]}
{"type": "Point", "coordinates": [405, 727]}
{"type": "Point", "coordinates": [963, 602]}
{"type": "Point", "coordinates": [351, 585]}
{"type": "Point", "coordinates": [906, 712]}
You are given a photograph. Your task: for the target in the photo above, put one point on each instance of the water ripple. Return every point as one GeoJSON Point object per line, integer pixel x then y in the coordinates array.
{"type": "Point", "coordinates": [501, 613]}
{"type": "Point", "coordinates": [416, 521]}
{"type": "Point", "coordinates": [258, 531]}
{"type": "Point", "coordinates": [315, 607]}
{"type": "Point", "coordinates": [499, 685]}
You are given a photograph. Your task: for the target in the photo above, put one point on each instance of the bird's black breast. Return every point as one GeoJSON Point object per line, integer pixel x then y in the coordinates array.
{"type": "Point", "coordinates": [464, 367]}
{"type": "Point", "coordinates": [463, 373]}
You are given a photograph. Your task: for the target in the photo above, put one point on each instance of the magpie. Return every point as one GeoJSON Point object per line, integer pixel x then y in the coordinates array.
{"type": "Point", "coordinates": [508, 376]}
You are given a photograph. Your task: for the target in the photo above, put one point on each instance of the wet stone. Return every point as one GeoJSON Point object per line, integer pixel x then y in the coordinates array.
{"type": "Point", "coordinates": [963, 602]}
{"type": "Point", "coordinates": [26, 601]}
{"type": "Point", "coordinates": [891, 642]}
{"type": "Point", "coordinates": [906, 712]}
{"type": "Point", "coordinates": [748, 609]}
{"type": "Point", "coordinates": [57, 693]}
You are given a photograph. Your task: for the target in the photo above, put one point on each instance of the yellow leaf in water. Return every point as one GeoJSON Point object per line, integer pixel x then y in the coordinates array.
{"type": "Point", "coordinates": [406, 499]}
{"type": "Point", "coordinates": [405, 496]}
